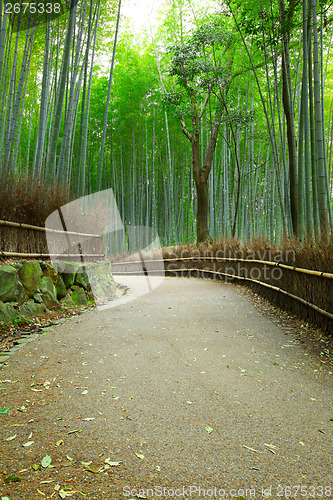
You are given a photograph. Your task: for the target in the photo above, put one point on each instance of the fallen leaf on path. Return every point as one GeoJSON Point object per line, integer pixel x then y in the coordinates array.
{"type": "Point", "coordinates": [84, 392]}
{"type": "Point", "coordinates": [22, 409]}
{"type": "Point", "coordinates": [41, 493]}
{"type": "Point", "coordinates": [301, 442]}
{"type": "Point", "coordinates": [28, 443]}
{"type": "Point", "coordinates": [271, 446]}
{"type": "Point", "coordinates": [4, 411]}
{"type": "Point", "coordinates": [11, 437]}
{"type": "Point", "coordinates": [208, 429]}
{"type": "Point", "coordinates": [323, 432]}
{"type": "Point", "coordinates": [91, 469]}
{"type": "Point", "coordinates": [109, 462]}
{"type": "Point", "coordinates": [86, 464]}
{"type": "Point", "coordinates": [65, 494]}
{"type": "Point", "coordinates": [46, 461]}
{"type": "Point", "coordinates": [36, 467]}
{"type": "Point", "coordinates": [12, 479]}
{"type": "Point", "coordinates": [60, 442]}
{"type": "Point", "coordinates": [139, 455]}
{"type": "Point", "coordinates": [89, 419]}
{"type": "Point", "coordinates": [251, 449]}
{"type": "Point", "coordinates": [69, 458]}
{"type": "Point", "coordinates": [74, 431]}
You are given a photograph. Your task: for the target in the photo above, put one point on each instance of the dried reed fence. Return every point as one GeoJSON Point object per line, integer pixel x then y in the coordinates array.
{"type": "Point", "coordinates": [277, 274]}
{"type": "Point", "coordinates": [26, 241]}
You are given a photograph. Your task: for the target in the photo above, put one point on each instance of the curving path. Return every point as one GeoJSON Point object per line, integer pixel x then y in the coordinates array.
{"type": "Point", "coordinates": [187, 386]}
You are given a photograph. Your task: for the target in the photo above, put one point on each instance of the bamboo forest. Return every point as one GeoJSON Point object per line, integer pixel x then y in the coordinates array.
{"type": "Point", "coordinates": [215, 120]}
{"type": "Point", "coordinates": [166, 249]}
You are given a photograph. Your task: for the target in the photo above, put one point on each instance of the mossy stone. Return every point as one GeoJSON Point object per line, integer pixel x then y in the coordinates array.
{"type": "Point", "coordinates": [60, 266]}
{"type": "Point", "coordinates": [61, 288]}
{"type": "Point", "coordinates": [52, 272]}
{"type": "Point", "coordinates": [11, 288]}
{"type": "Point", "coordinates": [7, 313]}
{"type": "Point", "coordinates": [38, 298]}
{"type": "Point", "coordinates": [69, 273]}
{"type": "Point", "coordinates": [79, 297]}
{"type": "Point", "coordinates": [49, 293]}
{"type": "Point", "coordinates": [30, 275]}
{"type": "Point", "coordinates": [31, 309]}
{"type": "Point", "coordinates": [81, 278]}
{"type": "Point", "coordinates": [101, 280]}
{"type": "Point", "coordinates": [67, 301]}
{"type": "Point", "coordinates": [17, 265]}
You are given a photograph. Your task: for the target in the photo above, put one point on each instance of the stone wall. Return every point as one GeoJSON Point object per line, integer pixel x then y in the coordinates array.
{"type": "Point", "coordinates": [29, 289]}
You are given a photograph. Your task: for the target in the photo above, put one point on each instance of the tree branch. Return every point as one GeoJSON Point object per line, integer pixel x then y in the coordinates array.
{"type": "Point", "coordinates": [208, 158]}
{"type": "Point", "coordinates": [204, 106]}
{"type": "Point", "coordinates": [185, 131]}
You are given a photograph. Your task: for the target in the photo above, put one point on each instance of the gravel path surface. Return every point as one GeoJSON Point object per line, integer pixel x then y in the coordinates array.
{"type": "Point", "coordinates": [186, 386]}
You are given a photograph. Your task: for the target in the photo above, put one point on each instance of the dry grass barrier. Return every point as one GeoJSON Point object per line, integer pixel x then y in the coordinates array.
{"type": "Point", "coordinates": [25, 204]}
{"type": "Point", "coordinates": [28, 200]}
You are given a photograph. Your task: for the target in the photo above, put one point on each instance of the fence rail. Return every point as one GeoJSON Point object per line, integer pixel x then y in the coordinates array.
{"type": "Point", "coordinates": [48, 255]}
{"type": "Point", "coordinates": [46, 230]}
{"type": "Point", "coordinates": [233, 276]}
{"type": "Point", "coordinates": [231, 259]}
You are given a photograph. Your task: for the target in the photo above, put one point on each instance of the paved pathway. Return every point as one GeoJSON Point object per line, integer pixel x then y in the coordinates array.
{"type": "Point", "coordinates": [185, 386]}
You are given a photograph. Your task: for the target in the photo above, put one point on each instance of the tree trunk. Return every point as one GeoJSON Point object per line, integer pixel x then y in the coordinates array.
{"type": "Point", "coordinates": [202, 212]}
{"type": "Point", "coordinates": [201, 182]}
{"type": "Point", "coordinates": [290, 120]}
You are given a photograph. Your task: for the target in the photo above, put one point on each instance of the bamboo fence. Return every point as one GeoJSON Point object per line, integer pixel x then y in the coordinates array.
{"type": "Point", "coordinates": [292, 284]}
{"type": "Point", "coordinates": [93, 243]}
{"type": "Point", "coordinates": [308, 274]}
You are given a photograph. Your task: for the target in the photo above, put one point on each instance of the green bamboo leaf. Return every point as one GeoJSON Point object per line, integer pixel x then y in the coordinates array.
{"type": "Point", "coordinates": [92, 469]}
{"type": "Point", "coordinates": [12, 479]}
